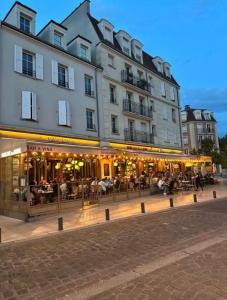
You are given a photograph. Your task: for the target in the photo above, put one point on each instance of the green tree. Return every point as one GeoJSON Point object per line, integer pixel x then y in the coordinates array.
{"type": "Point", "coordinates": [207, 147]}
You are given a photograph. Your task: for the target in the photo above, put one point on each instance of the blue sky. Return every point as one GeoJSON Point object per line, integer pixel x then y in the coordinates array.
{"type": "Point", "coordinates": [190, 34]}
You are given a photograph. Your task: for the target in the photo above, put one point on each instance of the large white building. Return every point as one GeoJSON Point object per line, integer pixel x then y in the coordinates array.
{"type": "Point", "coordinates": [80, 92]}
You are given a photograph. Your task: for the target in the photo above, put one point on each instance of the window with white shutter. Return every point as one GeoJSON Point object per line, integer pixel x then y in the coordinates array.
{"type": "Point", "coordinates": [18, 59]}
{"type": "Point", "coordinates": [29, 106]}
{"type": "Point", "coordinates": [163, 89]}
{"type": "Point", "coordinates": [63, 113]}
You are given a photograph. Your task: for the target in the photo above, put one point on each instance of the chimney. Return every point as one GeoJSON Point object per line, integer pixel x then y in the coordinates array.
{"type": "Point", "coordinates": [187, 107]}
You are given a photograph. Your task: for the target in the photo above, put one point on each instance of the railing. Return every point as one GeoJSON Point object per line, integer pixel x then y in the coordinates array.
{"type": "Point", "coordinates": [136, 81]}
{"type": "Point", "coordinates": [82, 192]}
{"type": "Point", "coordinates": [138, 136]}
{"type": "Point", "coordinates": [89, 93]}
{"type": "Point", "coordinates": [136, 108]}
{"type": "Point", "coordinates": [63, 83]}
{"type": "Point", "coordinates": [29, 72]}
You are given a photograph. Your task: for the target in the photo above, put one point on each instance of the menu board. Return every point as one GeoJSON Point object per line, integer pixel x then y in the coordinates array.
{"type": "Point", "coordinates": [16, 170]}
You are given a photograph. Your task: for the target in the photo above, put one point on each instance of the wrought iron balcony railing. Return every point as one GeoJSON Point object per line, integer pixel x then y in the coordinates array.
{"type": "Point", "coordinates": [138, 136]}
{"type": "Point", "coordinates": [136, 81]}
{"type": "Point", "coordinates": [137, 108]}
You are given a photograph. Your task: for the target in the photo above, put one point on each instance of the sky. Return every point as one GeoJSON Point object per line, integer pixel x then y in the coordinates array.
{"type": "Point", "coordinates": [190, 34]}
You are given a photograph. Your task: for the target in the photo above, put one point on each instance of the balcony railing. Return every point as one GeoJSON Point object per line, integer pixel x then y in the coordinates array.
{"type": "Point", "coordinates": [136, 81]}
{"type": "Point", "coordinates": [138, 136]}
{"type": "Point", "coordinates": [136, 108]}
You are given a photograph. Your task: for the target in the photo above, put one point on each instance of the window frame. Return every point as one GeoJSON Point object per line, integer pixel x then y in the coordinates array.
{"type": "Point", "coordinates": [90, 119]}
{"type": "Point", "coordinates": [25, 68]}
{"type": "Point", "coordinates": [26, 19]}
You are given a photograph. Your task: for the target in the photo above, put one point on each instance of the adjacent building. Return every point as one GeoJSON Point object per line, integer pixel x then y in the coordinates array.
{"type": "Point", "coordinates": [197, 125]}
{"type": "Point", "coordinates": [78, 98]}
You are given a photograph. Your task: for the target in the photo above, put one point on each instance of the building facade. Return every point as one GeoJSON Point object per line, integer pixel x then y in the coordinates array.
{"type": "Point", "coordinates": [79, 99]}
{"type": "Point", "coordinates": [197, 125]}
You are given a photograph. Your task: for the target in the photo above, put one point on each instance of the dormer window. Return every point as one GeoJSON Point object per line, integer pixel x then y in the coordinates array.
{"type": "Point", "coordinates": [126, 46]}
{"type": "Point", "coordinates": [159, 66]}
{"type": "Point", "coordinates": [83, 51]}
{"type": "Point", "coordinates": [198, 115]}
{"type": "Point", "coordinates": [207, 115]}
{"type": "Point", "coordinates": [25, 23]}
{"type": "Point", "coordinates": [138, 54]}
{"type": "Point", "coordinates": [58, 39]}
{"type": "Point", "coordinates": [107, 30]}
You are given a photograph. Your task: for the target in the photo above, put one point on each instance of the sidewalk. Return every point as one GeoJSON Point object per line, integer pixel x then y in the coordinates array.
{"type": "Point", "coordinates": [13, 229]}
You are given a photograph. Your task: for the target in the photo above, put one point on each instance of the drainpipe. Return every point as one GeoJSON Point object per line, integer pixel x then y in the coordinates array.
{"type": "Point", "coordinates": [97, 104]}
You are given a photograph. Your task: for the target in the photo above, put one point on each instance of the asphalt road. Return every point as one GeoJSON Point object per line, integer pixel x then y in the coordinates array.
{"type": "Point", "coordinates": [177, 254]}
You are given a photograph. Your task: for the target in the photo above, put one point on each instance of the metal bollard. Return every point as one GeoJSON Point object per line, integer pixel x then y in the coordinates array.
{"type": "Point", "coordinates": [195, 198]}
{"type": "Point", "coordinates": [0, 235]}
{"type": "Point", "coordinates": [107, 212]}
{"type": "Point", "coordinates": [171, 202]}
{"type": "Point", "coordinates": [142, 208]}
{"type": "Point", "coordinates": [214, 194]}
{"type": "Point", "coordinates": [60, 224]}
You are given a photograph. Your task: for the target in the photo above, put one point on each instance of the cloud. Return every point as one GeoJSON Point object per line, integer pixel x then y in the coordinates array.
{"type": "Point", "coordinates": [213, 99]}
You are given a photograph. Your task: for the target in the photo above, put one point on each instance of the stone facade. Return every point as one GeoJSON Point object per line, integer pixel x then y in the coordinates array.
{"type": "Point", "coordinates": [100, 98]}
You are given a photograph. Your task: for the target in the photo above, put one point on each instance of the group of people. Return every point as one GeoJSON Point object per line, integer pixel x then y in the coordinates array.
{"type": "Point", "coordinates": [166, 182]}
{"type": "Point", "coordinates": [171, 182]}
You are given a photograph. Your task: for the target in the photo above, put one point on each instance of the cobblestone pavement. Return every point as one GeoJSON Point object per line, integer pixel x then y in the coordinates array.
{"type": "Point", "coordinates": [64, 265]}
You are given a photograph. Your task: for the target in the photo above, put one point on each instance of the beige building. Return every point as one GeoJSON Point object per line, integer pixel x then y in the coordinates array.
{"type": "Point", "coordinates": [79, 100]}
{"type": "Point", "coordinates": [197, 125]}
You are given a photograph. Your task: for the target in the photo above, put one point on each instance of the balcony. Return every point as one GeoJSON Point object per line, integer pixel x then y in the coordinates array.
{"type": "Point", "coordinates": [136, 108]}
{"type": "Point", "coordinates": [138, 136]}
{"type": "Point", "coordinates": [136, 81]}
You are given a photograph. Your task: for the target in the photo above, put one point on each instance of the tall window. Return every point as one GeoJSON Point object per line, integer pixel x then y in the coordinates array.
{"type": "Point", "coordinates": [83, 51]}
{"type": "Point", "coordinates": [173, 115]}
{"type": "Point", "coordinates": [57, 39]}
{"type": "Point", "coordinates": [114, 124]}
{"type": "Point", "coordinates": [142, 106]}
{"type": "Point", "coordinates": [27, 63]}
{"type": "Point", "coordinates": [126, 46]}
{"type": "Point", "coordinates": [89, 85]}
{"type": "Point", "coordinates": [113, 94]}
{"type": "Point", "coordinates": [62, 76]}
{"type": "Point", "coordinates": [25, 23]}
{"type": "Point", "coordinates": [90, 123]}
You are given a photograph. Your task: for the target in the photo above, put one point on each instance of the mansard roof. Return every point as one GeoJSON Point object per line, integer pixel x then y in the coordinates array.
{"type": "Point", "coordinates": [147, 58]}
{"type": "Point", "coordinates": [191, 116]}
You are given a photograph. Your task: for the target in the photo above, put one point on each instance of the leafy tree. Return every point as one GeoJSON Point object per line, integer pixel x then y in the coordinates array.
{"type": "Point", "coordinates": [207, 147]}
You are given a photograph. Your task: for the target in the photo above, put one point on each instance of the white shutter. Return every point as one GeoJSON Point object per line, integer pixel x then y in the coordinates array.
{"type": "Point", "coordinates": [54, 72]}
{"type": "Point", "coordinates": [17, 59]}
{"type": "Point", "coordinates": [68, 114]}
{"type": "Point", "coordinates": [26, 105]}
{"type": "Point", "coordinates": [34, 107]}
{"type": "Point", "coordinates": [71, 78]}
{"type": "Point", "coordinates": [163, 90]}
{"type": "Point", "coordinates": [172, 94]}
{"type": "Point", "coordinates": [62, 112]}
{"type": "Point", "coordinates": [39, 66]}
